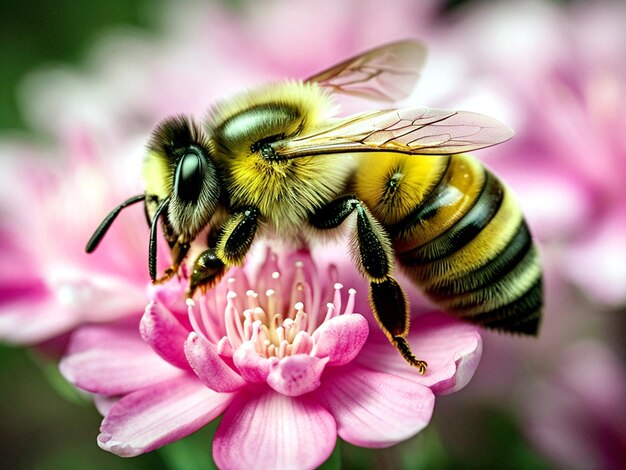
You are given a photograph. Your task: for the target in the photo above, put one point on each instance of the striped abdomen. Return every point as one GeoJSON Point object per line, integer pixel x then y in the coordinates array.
{"type": "Point", "coordinates": [459, 234]}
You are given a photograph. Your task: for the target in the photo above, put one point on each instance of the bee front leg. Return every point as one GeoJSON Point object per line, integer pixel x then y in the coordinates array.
{"type": "Point", "coordinates": [179, 252]}
{"type": "Point", "coordinates": [375, 261]}
{"type": "Point", "coordinates": [207, 271]}
{"type": "Point", "coordinates": [234, 241]}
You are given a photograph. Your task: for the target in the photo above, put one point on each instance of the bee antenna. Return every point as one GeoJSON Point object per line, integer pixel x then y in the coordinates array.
{"type": "Point", "coordinates": [105, 225]}
{"type": "Point", "coordinates": [152, 254]}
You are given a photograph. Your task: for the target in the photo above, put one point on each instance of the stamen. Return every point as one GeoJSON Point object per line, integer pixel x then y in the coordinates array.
{"type": "Point", "coordinates": [213, 331]}
{"type": "Point", "coordinates": [247, 325]}
{"type": "Point", "coordinates": [297, 287]}
{"type": "Point", "coordinates": [275, 330]}
{"type": "Point", "coordinates": [290, 331]}
{"type": "Point", "coordinates": [280, 334]}
{"type": "Point", "coordinates": [271, 302]}
{"type": "Point", "coordinates": [350, 305]}
{"type": "Point", "coordinates": [231, 322]}
{"type": "Point", "coordinates": [330, 311]}
{"type": "Point", "coordinates": [264, 278]}
{"type": "Point", "coordinates": [337, 299]}
{"type": "Point", "coordinates": [273, 326]}
{"type": "Point", "coordinates": [301, 320]}
{"type": "Point", "coordinates": [194, 323]}
{"type": "Point", "coordinates": [252, 297]}
{"type": "Point", "coordinates": [256, 329]}
{"type": "Point", "coordinates": [282, 349]}
{"type": "Point", "coordinates": [259, 314]}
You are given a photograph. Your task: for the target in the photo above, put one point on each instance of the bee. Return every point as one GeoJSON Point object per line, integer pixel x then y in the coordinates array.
{"type": "Point", "coordinates": [277, 161]}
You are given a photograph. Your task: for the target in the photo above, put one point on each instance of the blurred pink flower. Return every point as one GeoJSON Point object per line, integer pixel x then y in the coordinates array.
{"type": "Point", "coordinates": [289, 372]}
{"type": "Point", "coordinates": [49, 285]}
{"type": "Point", "coordinates": [579, 422]}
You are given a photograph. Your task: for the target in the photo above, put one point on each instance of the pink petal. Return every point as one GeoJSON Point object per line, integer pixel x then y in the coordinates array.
{"type": "Point", "coordinates": [374, 409]}
{"type": "Point", "coordinates": [13, 255]}
{"type": "Point", "coordinates": [296, 375]}
{"type": "Point", "coordinates": [452, 349]}
{"type": "Point", "coordinates": [112, 360]}
{"type": "Point", "coordinates": [34, 321]}
{"type": "Point", "coordinates": [152, 417]}
{"type": "Point", "coordinates": [164, 333]}
{"type": "Point", "coordinates": [210, 367]}
{"type": "Point", "coordinates": [341, 338]}
{"type": "Point", "coordinates": [170, 294]}
{"type": "Point", "coordinates": [264, 429]}
{"type": "Point", "coordinates": [93, 296]}
{"type": "Point", "coordinates": [252, 366]}
{"type": "Point", "coordinates": [73, 297]}
{"type": "Point", "coordinates": [104, 404]}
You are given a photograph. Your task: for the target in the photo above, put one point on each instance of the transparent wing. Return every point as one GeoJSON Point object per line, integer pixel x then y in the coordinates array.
{"type": "Point", "coordinates": [387, 73]}
{"type": "Point", "coordinates": [416, 131]}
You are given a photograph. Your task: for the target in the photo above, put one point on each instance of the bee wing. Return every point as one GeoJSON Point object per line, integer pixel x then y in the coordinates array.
{"type": "Point", "coordinates": [416, 131]}
{"type": "Point", "coordinates": [387, 73]}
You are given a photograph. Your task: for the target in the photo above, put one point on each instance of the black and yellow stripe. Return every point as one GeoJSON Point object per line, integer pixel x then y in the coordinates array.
{"type": "Point", "coordinates": [463, 240]}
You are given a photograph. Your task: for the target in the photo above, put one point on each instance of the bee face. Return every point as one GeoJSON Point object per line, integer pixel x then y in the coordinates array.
{"type": "Point", "coordinates": [179, 167]}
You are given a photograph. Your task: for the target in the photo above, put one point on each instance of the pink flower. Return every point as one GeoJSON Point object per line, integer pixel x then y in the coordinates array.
{"type": "Point", "coordinates": [288, 371]}
{"type": "Point", "coordinates": [49, 285]}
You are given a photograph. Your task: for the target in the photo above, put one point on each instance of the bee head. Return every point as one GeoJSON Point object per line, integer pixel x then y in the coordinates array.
{"type": "Point", "coordinates": [179, 168]}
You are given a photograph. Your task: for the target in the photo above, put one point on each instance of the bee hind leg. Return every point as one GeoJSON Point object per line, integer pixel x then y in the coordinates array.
{"type": "Point", "coordinates": [392, 314]}
{"type": "Point", "coordinates": [375, 261]}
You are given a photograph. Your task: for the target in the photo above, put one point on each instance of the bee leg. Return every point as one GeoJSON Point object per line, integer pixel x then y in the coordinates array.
{"type": "Point", "coordinates": [207, 271]}
{"type": "Point", "coordinates": [234, 241]}
{"type": "Point", "coordinates": [179, 251]}
{"type": "Point", "coordinates": [236, 236]}
{"type": "Point", "coordinates": [391, 311]}
{"type": "Point", "coordinates": [375, 261]}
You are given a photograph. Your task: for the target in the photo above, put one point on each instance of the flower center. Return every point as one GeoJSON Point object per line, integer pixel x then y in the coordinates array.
{"type": "Point", "coordinates": [278, 317]}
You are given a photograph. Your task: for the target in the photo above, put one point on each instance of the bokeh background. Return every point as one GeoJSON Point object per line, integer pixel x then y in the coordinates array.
{"type": "Point", "coordinates": [553, 70]}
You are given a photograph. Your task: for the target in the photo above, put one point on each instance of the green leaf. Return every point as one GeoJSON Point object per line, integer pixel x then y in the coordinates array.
{"type": "Point", "coordinates": [67, 391]}
{"type": "Point", "coordinates": [334, 461]}
{"type": "Point", "coordinates": [194, 451]}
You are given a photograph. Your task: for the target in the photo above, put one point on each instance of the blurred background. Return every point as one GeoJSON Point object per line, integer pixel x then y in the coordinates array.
{"type": "Point", "coordinates": [80, 74]}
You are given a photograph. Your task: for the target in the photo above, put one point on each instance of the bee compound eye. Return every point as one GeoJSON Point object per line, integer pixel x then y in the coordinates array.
{"type": "Point", "coordinates": [189, 174]}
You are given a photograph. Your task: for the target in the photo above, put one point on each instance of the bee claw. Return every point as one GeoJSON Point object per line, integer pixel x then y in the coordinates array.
{"type": "Point", "coordinates": [167, 275]}
{"type": "Point", "coordinates": [400, 343]}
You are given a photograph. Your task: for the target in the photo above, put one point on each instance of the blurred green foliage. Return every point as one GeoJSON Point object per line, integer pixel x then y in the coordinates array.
{"type": "Point", "coordinates": [41, 426]}
{"type": "Point", "coordinates": [36, 32]}
{"type": "Point", "coordinates": [40, 429]}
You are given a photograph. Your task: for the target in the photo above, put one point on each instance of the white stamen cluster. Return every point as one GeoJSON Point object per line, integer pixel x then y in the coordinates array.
{"type": "Point", "coordinates": [275, 327]}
